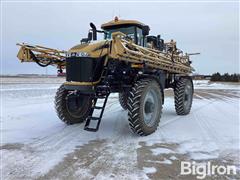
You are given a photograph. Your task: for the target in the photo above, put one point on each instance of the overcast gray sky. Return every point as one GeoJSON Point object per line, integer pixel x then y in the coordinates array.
{"type": "Point", "coordinates": [209, 28]}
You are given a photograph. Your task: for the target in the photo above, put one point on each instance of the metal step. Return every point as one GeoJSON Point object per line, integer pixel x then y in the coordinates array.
{"type": "Point", "coordinates": [97, 107]}
{"type": "Point", "coordinates": [94, 118]}
{"type": "Point", "coordinates": [97, 120]}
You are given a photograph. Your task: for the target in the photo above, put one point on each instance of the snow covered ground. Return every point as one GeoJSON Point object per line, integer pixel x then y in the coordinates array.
{"type": "Point", "coordinates": [37, 145]}
{"type": "Point", "coordinates": [205, 84]}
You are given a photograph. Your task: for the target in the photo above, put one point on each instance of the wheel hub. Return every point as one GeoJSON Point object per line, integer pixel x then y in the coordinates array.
{"type": "Point", "coordinates": [75, 104]}
{"type": "Point", "coordinates": [187, 95]}
{"type": "Point", "coordinates": [151, 106]}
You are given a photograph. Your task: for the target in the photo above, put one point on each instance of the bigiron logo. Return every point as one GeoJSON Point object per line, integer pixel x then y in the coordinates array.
{"type": "Point", "coordinates": [208, 169]}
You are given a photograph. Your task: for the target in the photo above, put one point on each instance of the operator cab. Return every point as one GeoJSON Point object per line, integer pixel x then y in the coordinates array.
{"type": "Point", "coordinates": [134, 30]}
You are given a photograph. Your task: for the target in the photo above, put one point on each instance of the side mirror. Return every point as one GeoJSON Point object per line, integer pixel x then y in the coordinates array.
{"type": "Point", "coordinates": [90, 36]}
{"type": "Point", "coordinates": [145, 30]}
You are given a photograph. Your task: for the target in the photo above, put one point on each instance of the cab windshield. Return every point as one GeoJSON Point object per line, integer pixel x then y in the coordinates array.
{"type": "Point", "coordinates": [132, 32]}
{"type": "Point", "coordinates": [129, 31]}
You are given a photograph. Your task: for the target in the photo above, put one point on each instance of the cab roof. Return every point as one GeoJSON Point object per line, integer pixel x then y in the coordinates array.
{"type": "Point", "coordinates": [117, 22]}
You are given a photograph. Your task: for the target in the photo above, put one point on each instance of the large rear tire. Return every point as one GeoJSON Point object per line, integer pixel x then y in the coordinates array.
{"type": "Point", "coordinates": [123, 99]}
{"type": "Point", "coordinates": [183, 96]}
{"type": "Point", "coordinates": [72, 108]}
{"type": "Point", "coordinates": [144, 106]}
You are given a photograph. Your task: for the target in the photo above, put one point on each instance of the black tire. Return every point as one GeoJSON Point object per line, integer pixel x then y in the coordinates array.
{"type": "Point", "coordinates": [72, 108]}
{"type": "Point", "coordinates": [140, 108]}
{"type": "Point", "coordinates": [183, 96]}
{"type": "Point", "coordinates": [123, 100]}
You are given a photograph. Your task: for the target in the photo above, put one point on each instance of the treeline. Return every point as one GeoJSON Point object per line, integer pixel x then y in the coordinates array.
{"type": "Point", "coordinates": [225, 77]}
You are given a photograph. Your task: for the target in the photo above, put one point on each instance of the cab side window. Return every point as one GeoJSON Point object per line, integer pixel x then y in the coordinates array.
{"type": "Point", "coordinates": [139, 36]}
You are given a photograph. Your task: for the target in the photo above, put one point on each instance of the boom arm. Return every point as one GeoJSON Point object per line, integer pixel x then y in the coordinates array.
{"type": "Point", "coordinates": [173, 61]}
{"type": "Point", "coordinates": [43, 56]}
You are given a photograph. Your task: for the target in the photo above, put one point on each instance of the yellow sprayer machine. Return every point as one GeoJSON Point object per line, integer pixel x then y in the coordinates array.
{"type": "Point", "coordinates": [128, 61]}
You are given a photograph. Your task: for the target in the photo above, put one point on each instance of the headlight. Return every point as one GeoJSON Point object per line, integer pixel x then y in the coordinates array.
{"type": "Point", "coordinates": [77, 54]}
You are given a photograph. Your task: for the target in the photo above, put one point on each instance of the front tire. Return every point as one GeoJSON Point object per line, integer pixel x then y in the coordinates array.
{"type": "Point", "coordinates": [72, 108]}
{"type": "Point", "coordinates": [123, 99]}
{"type": "Point", "coordinates": [183, 96]}
{"type": "Point", "coordinates": [144, 106]}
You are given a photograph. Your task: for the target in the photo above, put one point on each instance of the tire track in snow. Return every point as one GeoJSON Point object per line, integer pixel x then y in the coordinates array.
{"type": "Point", "coordinates": [207, 128]}
{"type": "Point", "coordinates": [209, 101]}
{"type": "Point", "coordinates": [221, 96]}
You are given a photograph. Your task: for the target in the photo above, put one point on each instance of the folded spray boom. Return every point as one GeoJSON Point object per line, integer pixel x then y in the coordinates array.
{"type": "Point", "coordinates": [43, 56]}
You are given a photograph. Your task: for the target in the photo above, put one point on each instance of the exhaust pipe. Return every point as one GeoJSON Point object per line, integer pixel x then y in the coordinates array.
{"type": "Point", "coordinates": [94, 30]}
